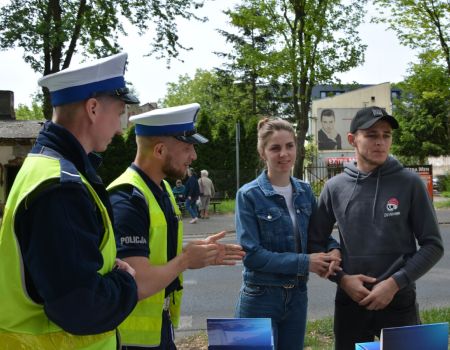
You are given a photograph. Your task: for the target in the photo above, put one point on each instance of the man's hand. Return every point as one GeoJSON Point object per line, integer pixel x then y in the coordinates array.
{"type": "Point", "coordinates": [124, 266]}
{"type": "Point", "coordinates": [210, 251]}
{"type": "Point", "coordinates": [353, 285]}
{"type": "Point", "coordinates": [381, 295]}
{"type": "Point", "coordinates": [228, 254]}
{"type": "Point", "coordinates": [198, 254]}
{"type": "Point", "coordinates": [319, 263]}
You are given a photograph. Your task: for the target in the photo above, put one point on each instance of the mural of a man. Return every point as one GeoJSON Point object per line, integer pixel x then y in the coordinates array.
{"type": "Point", "coordinates": [328, 137]}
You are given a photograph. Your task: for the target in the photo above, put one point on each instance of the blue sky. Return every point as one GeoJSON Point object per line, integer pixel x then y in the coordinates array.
{"type": "Point", "coordinates": [386, 60]}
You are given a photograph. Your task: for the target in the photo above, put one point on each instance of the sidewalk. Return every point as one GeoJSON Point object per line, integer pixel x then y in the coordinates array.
{"type": "Point", "coordinates": [225, 222]}
{"type": "Point", "coordinates": [203, 228]}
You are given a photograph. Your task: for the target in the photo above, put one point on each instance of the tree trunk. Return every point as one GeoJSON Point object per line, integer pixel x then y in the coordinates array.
{"type": "Point", "coordinates": [47, 108]}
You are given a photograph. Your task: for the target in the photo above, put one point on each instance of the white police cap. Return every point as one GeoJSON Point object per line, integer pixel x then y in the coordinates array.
{"type": "Point", "coordinates": [178, 122]}
{"type": "Point", "coordinates": [104, 76]}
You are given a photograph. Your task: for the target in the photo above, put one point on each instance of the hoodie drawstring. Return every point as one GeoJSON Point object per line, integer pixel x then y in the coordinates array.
{"type": "Point", "coordinates": [351, 195]}
{"type": "Point", "coordinates": [376, 195]}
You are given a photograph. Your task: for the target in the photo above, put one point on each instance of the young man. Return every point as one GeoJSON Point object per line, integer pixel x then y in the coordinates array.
{"type": "Point", "coordinates": [149, 228]}
{"type": "Point", "coordinates": [382, 210]}
{"type": "Point", "coordinates": [328, 137]}
{"type": "Point", "coordinates": [58, 283]}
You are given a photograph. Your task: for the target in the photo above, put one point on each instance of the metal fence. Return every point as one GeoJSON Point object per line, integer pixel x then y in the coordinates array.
{"type": "Point", "coordinates": [316, 174]}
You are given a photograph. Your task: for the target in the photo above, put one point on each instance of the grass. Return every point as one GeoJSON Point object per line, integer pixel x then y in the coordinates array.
{"type": "Point", "coordinates": [319, 333]}
{"type": "Point", "coordinates": [226, 206]}
{"type": "Point", "coordinates": [442, 204]}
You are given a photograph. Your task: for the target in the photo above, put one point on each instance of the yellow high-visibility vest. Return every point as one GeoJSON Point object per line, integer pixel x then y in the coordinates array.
{"type": "Point", "coordinates": [143, 326]}
{"type": "Point", "coordinates": [23, 323]}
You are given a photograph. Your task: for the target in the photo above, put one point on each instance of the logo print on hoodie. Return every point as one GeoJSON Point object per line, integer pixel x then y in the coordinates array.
{"type": "Point", "coordinates": [391, 207]}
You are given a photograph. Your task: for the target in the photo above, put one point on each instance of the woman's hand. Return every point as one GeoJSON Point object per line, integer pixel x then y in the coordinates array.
{"type": "Point", "coordinates": [319, 263]}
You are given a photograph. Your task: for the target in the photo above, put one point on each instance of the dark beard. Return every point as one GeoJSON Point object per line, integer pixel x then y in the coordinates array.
{"type": "Point", "coordinates": [170, 171]}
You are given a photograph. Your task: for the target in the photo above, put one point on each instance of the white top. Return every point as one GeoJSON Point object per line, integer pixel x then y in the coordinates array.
{"type": "Point", "coordinates": [286, 192]}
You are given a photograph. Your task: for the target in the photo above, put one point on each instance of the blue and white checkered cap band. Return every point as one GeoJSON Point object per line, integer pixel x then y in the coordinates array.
{"type": "Point", "coordinates": [81, 82]}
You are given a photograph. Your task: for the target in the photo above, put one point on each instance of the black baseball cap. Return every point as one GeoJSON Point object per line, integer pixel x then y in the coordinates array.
{"type": "Point", "coordinates": [368, 116]}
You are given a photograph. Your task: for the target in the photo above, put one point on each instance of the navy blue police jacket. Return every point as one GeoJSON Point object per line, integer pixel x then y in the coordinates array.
{"type": "Point", "coordinates": [59, 233]}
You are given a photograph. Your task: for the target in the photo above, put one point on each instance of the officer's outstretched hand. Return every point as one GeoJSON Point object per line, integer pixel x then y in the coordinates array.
{"type": "Point", "coordinates": [198, 254]}
{"type": "Point", "coordinates": [124, 266]}
{"type": "Point", "coordinates": [228, 254]}
{"type": "Point", "coordinates": [353, 285]}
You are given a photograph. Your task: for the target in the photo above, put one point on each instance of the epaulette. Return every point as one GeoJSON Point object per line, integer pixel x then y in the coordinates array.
{"type": "Point", "coordinates": [69, 172]}
{"type": "Point", "coordinates": [139, 194]}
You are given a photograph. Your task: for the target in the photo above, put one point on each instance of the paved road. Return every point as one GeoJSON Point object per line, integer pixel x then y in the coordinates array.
{"type": "Point", "coordinates": [212, 292]}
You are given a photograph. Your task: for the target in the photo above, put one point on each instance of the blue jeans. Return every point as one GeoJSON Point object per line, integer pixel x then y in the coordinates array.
{"type": "Point", "coordinates": [286, 307]}
{"type": "Point", "coordinates": [192, 207]}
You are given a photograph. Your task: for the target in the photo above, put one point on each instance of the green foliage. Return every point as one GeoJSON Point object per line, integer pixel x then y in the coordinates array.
{"type": "Point", "coordinates": [223, 104]}
{"type": "Point", "coordinates": [51, 32]}
{"type": "Point", "coordinates": [442, 204]}
{"type": "Point", "coordinates": [421, 24]}
{"type": "Point", "coordinates": [119, 155]}
{"type": "Point", "coordinates": [304, 43]}
{"type": "Point", "coordinates": [115, 160]}
{"type": "Point", "coordinates": [423, 113]}
{"type": "Point", "coordinates": [226, 206]}
{"type": "Point", "coordinates": [319, 334]}
{"type": "Point", "coordinates": [23, 112]}
{"type": "Point", "coordinates": [435, 315]}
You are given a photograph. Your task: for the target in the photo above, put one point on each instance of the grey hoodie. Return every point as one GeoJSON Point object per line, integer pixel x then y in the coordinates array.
{"type": "Point", "coordinates": [380, 216]}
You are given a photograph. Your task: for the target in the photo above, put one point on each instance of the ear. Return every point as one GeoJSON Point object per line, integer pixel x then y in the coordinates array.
{"type": "Point", "coordinates": [91, 107]}
{"type": "Point", "coordinates": [351, 139]}
{"type": "Point", "coordinates": [159, 150]}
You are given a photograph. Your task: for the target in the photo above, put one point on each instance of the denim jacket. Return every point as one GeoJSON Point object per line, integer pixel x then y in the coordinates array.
{"type": "Point", "coordinates": [264, 229]}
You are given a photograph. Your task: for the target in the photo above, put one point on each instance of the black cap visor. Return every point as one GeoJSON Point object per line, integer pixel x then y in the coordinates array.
{"type": "Point", "coordinates": [195, 139]}
{"type": "Point", "coordinates": [391, 120]}
{"type": "Point", "coordinates": [122, 94]}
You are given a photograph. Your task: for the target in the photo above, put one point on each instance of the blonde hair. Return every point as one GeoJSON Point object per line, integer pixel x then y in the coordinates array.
{"type": "Point", "coordinates": [204, 173]}
{"type": "Point", "coordinates": [267, 126]}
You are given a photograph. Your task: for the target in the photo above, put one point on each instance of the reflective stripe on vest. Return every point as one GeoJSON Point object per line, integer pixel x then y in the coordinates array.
{"type": "Point", "coordinates": [143, 326]}
{"type": "Point", "coordinates": [23, 323]}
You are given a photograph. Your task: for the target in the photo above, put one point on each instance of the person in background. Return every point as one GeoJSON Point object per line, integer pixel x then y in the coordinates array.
{"type": "Point", "coordinates": [178, 191]}
{"type": "Point", "coordinates": [149, 229]}
{"type": "Point", "coordinates": [61, 285]}
{"type": "Point", "coordinates": [272, 218]}
{"type": "Point", "coordinates": [207, 191]}
{"type": "Point", "coordinates": [388, 233]}
{"type": "Point", "coordinates": [192, 195]}
{"type": "Point", "coordinates": [328, 136]}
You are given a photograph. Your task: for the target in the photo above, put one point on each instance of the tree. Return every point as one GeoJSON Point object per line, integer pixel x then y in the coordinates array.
{"type": "Point", "coordinates": [23, 112]}
{"type": "Point", "coordinates": [118, 156]}
{"type": "Point", "coordinates": [51, 32]}
{"type": "Point", "coordinates": [423, 24]}
{"type": "Point", "coordinates": [247, 60]}
{"type": "Point", "coordinates": [222, 103]}
{"type": "Point", "coordinates": [423, 112]}
{"type": "Point", "coordinates": [313, 40]}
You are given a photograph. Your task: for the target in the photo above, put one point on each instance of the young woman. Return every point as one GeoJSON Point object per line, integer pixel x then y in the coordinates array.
{"type": "Point", "coordinates": [272, 217]}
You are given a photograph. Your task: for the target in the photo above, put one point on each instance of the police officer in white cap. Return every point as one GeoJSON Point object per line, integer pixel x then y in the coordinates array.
{"type": "Point", "coordinates": [58, 283]}
{"type": "Point", "coordinates": [149, 229]}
